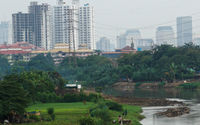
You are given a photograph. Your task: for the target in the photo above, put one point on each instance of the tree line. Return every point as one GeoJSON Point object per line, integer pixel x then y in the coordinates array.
{"type": "Point", "coordinates": [163, 63]}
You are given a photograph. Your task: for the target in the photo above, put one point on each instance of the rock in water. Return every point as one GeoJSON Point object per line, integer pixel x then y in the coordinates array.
{"type": "Point", "coordinates": [174, 112]}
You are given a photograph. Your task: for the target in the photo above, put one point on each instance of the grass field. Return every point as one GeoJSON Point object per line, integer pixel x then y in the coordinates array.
{"type": "Point", "coordinates": [70, 113]}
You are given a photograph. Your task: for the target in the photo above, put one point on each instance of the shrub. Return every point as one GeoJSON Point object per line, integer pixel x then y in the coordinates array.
{"type": "Point", "coordinates": [34, 117]}
{"type": "Point", "coordinates": [50, 111]}
{"type": "Point", "coordinates": [189, 86]}
{"type": "Point", "coordinates": [87, 121]}
{"type": "Point", "coordinates": [53, 116]}
{"type": "Point", "coordinates": [103, 114]}
{"type": "Point", "coordinates": [114, 106]}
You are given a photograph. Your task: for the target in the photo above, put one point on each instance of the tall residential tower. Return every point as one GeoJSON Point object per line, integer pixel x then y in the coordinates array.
{"type": "Point", "coordinates": [165, 35]}
{"type": "Point", "coordinates": [22, 27]}
{"type": "Point", "coordinates": [42, 28]}
{"type": "Point", "coordinates": [184, 30]}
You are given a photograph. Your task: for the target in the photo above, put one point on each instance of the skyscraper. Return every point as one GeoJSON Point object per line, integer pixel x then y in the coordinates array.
{"type": "Point", "coordinates": [184, 30]}
{"type": "Point", "coordinates": [165, 35]}
{"type": "Point", "coordinates": [131, 36]}
{"type": "Point", "coordinates": [73, 24]}
{"type": "Point", "coordinates": [104, 44]}
{"type": "Point", "coordinates": [4, 32]}
{"type": "Point", "coordinates": [42, 36]}
{"type": "Point", "coordinates": [22, 27]}
{"type": "Point", "coordinates": [86, 27]}
{"type": "Point", "coordinates": [145, 44]}
{"type": "Point", "coordinates": [65, 24]}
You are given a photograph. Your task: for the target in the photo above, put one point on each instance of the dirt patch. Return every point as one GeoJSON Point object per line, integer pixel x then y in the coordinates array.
{"type": "Point", "coordinates": [124, 86]}
{"type": "Point", "coordinates": [145, 101]}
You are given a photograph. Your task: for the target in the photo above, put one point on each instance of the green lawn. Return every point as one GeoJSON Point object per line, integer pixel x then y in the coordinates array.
{"type": "Point", "coordinates": [70, 113]}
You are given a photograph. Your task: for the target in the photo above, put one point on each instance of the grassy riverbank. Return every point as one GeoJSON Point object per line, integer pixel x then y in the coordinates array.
{"type": "Point", "coordinates": [70, 113]}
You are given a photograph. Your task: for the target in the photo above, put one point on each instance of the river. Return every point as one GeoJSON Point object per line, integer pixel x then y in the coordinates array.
{"type": "Point", "coordinates": [190, 97]}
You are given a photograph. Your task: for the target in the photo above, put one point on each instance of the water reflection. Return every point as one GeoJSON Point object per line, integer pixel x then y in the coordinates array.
{"type": "Point", "coordinates": [157, 93]}
{"type": "Point", "coordinates": [191, 97]}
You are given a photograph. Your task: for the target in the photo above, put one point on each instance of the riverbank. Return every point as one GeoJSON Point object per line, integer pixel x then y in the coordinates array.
{"type": "Point", "coordinates": [130, 86]}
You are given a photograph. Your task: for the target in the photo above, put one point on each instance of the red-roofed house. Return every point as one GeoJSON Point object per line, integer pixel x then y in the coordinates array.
{"type": "Point", "coordinates": [19, 51]}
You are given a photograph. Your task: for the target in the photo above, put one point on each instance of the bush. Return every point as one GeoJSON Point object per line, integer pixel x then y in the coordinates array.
{"type": "Point", "coordinates": [189, 86]}
{"type": "Point", "coordinates": [114, 106]}
{"type": "Point", "coordinates": [102, 114]}
{"type": "Point", "coordinates": [53, 116]}
{"type": "Point", "coordinates": [50, 111]}
{"type": "Point", "coordinates": [34, 117]}
{"type": "Point", "coordinates": [87, 121]}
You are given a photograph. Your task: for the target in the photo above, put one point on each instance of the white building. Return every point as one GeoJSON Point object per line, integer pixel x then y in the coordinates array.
{"type": "Point", "coordinates": [131, 36]}
{"type": "Point", "coordinates": [73, 24]}
{"type": "Point", "coordinates": [104, 44]}
{"type": "Point", "coordinates": [145, 44]}
{"type": "Point", "coordinates": [65, 24]}
{"type": "Point", "coordinates": [165, 36]}
{"type": "Point", "coordinates": [4, 32]}
{"type": "Point", "coordinates": [86, 27]}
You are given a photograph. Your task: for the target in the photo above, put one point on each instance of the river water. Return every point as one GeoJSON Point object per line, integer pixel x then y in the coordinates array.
{"type": "Point", "coordinates": [187, 96]}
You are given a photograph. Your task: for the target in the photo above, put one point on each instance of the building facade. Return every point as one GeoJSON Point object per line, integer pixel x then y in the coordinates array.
{"type": "Point", "coordinates": [184, 30]}
{"type": "Point", "coordinates": [165, 36]}
{"type": "Point", "coordinates": [4, 32]}
{"type": "Point", "coordinates": [42, 21]}
{"type": "Point", "coordinates": [145, 44]}
{"type": "Point", "coordinates": [22, 27]}
{"type": "Point", "coordinates": [130, 37]}
{"type": "Point", "coordinates": [104, 44]}
{"type": "Point", "coordinates": [65, 24]}
{"type": "Point", "coordinates": [86, 26]}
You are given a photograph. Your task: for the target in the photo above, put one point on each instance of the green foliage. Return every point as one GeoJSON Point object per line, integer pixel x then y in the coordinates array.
{"type": "Point", "coordinates": [50, 111]}
{"type": "Point", "coordinates": [114, 106]}
{"type": "Point", "coordinates": [71, 113]}
{"type": "Point", "coordinates": [190, 85]}
{"type": "Point", "coordinates": [93, 71]}
{"type": "Point", "coordinates": [41, 63]}
{"type": "Point", "coordinates": [34, 117]}
{"type": "Point", "coordinates": [102, 112]}
{"type": "Point", "coordinates": [87, 121]}
{"type": "Point", "coordinates": [163, 63]}
{"type": "Point", "coordinates": [13, 99]}
{"type": "Point", "coordinates": [4, 67]}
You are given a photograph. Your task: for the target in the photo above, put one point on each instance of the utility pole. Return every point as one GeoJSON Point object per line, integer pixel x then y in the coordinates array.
{"type": "Point", "coordinates": [132, 44]}
{"type": "Point", "coordinates": [71, 30]}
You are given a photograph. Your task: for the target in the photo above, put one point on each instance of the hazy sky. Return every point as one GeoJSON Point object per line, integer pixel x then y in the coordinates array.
{"type": "Point", "coordinates": [113, 17]}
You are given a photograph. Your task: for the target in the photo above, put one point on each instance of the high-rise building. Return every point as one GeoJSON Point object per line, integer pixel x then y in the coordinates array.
{"type": "Point", "coordinates": [184, 30]}
{"type": "Point", "coordinates": [86, 27]}
{"type": "Point", "coordinates": [65, 24]}
{"type": "Point", "coordinates": [145, 44]}
{"type": "Point", "coordinates": [42, 18]}
{"type": "Point", "coordinates": [121, 41]}
{"type": "Point", "coordinates": [104, 44]}
{"type": "Point", "coordinates": [73, 24]}
{"type": "Point", "coordinates": [165, 35]}
{"type": "Point", "coordinates": [131, 36]}
{"type": "Point", "coordinates": [22, 27]}
{"type": "Point", "coordinates": [4, 32]}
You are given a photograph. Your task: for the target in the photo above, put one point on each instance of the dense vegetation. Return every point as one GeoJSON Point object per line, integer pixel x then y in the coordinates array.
{"type": "Point", "coordinates": [163, 63]}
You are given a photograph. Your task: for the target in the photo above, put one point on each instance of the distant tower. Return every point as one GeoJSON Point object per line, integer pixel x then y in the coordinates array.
{"type": "Point", "coordinates": [76, 2]}
{"type": "Point", "coordinates": [60, 2]}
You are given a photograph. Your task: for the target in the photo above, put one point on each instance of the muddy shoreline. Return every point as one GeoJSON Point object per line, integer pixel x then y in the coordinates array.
{"type": "Point", "coordinates": [144, 102]}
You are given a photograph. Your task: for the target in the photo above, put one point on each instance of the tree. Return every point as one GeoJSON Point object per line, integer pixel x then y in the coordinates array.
{"type": "Point", "coordinates": [13, 100]}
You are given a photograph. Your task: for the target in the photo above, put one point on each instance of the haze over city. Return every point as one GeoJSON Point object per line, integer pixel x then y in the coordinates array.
{"type": "Point", "coordinates": [113, 17]}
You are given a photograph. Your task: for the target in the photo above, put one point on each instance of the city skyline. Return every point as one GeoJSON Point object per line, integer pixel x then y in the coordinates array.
{"type": "Point", "coordinates": [131, 16]}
